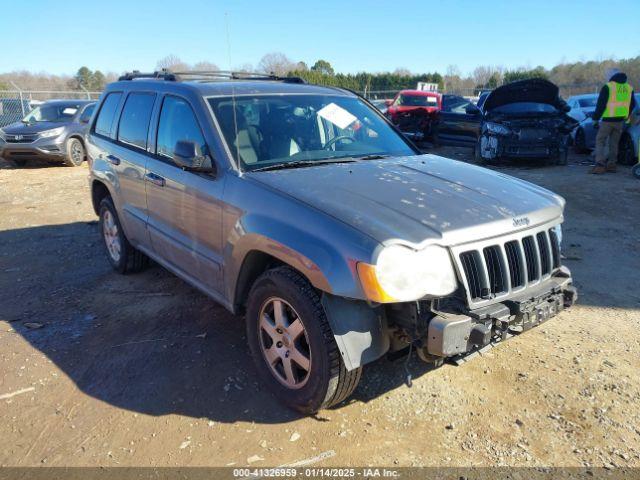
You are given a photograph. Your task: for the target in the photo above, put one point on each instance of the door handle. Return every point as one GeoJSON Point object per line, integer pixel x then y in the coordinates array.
{"type": "Point", "coordinates": [113, 160]}
{"type": "Point", "coordinates": [155, 179]}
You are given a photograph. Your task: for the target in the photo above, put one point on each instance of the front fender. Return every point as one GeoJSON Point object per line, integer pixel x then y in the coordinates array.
{"type": "Point", "coordinates": [328, 261]}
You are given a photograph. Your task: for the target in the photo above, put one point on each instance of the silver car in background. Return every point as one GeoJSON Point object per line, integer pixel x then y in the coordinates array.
{"type": "Point", "coordinates": [53, 131]}
{"type": "Point", "coordinates": [582, 108]}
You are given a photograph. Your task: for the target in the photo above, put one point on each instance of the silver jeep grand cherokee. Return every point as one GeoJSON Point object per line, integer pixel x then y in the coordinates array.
{"type": "Point", "coordinates": [303, 208]}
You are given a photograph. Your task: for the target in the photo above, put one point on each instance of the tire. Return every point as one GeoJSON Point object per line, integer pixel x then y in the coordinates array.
{"type": "Point", "coordinates": [477, 157]}
{"type": "Point", "coordinates": [636, 171]}
{"type": "Point", "coordinates": [580, 142]}
{"type": "Point", "coordinates": [325, 381]}
{"type": "Point", "coordinates": [562, 157]}
{"type": "Point", "coordinates": [123, 257]}
{"type": "Point", "coordinates": [17, 163]}
{"type": "Point", "coordinates": [626, 152]}
{"type": "Point", "coordinates": [75, 153]}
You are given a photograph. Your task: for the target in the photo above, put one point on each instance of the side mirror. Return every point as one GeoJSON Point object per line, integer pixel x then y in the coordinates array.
{"type": "Point", "coordinates": [188, 156]}
{"type": "Point", "coordinates": [388, 103]}
{"type": "Point", "coordinates": [472, 109]}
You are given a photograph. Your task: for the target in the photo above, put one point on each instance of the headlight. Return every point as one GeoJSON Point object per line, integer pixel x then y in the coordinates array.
{"type": "Point", "coordinates": [54, 132]}
{"type": "Point", "coordinates": [403, 275]}
{"type": "Point", "coordinates": [497, 129]}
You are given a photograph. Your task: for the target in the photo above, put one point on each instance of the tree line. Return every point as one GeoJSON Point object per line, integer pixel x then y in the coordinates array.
{"type": "Point", "coordinates": [588, 73]}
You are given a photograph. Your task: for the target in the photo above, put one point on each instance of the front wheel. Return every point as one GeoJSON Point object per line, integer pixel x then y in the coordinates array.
{"type": "Point", "coordinates": [580, 142]}
{"type": "Point", "coordinates": [562, 157]}
{"type": "Point", "coordinates": [626, 152]}
{"type": "Point", "coordinates": [292, 344]}
{"type": "Point", "coordinates": [17, 163]}
{"type": "Point", "coordinates": [75, 153]}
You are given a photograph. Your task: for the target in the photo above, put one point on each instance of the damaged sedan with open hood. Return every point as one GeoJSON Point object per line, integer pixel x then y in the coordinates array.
{"type": "Point", "coordinates": [524, 119]}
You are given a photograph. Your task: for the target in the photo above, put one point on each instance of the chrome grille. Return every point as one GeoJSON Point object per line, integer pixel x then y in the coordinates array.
{"type": "Point", "coordinates": [494, 269]}
{"type": "Point", "coordinates": [21, 138]}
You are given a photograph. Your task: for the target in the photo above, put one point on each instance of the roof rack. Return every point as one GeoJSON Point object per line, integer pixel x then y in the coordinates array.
{"type": "Point", "coordinates": [207, 75]}
{"type": "Point", "coordinates": [162, 75]}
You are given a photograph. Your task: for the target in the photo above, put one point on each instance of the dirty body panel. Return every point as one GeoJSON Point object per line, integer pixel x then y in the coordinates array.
{"type": "Point", "coordinates": [266, 205]}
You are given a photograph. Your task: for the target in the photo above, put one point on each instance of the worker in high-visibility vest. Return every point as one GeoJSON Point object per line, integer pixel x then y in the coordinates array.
{"type": "Point", "coordinates": [615, 104]}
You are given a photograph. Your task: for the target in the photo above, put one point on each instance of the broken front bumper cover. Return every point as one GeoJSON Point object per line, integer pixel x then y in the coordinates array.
{"type": "Point", "coordinates": [494, 146]}
{"type": "Point", "coordinates": [452, 335]}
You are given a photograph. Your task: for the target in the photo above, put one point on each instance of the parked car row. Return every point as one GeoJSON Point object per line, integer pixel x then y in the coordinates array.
{"type": "Point", "coordinates": [525, 119]}
{"type": "Point", "coordinates": [53, 131]}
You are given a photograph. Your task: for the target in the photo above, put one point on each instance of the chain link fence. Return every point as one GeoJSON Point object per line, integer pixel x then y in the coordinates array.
{"type": "Point", "coordinates": [16, 104]}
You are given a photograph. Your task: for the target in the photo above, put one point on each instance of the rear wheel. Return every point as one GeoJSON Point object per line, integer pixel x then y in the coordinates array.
{"type": "Point", "coordinates": [626, 152]}
{"type": "Point", "coordinates": [124, 258]}
{"type": "Point", "coordinates": [75, 153]}
{"type": "Point", "coordinates": [292, 344]}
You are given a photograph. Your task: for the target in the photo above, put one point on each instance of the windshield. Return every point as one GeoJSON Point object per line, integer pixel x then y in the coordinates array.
{"type": "Point", "coordinates": [265, 130]}
{"type": "Point", "coordinates": [52, 113]}
{"type": "Point", "coordinates": [525, 108]}
{"type": "Point", "coordinates": [587, 102]}
{"type": "Point", "coordinates": [417, 101]}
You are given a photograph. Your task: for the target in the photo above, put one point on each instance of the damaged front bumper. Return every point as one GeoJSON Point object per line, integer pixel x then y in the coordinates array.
{"type": "Point", "coordinates": [495, 146]}
{"type": "Point", "coordinates": [457, 334]}
{"type": "Point", "coordinates": [450, 329]}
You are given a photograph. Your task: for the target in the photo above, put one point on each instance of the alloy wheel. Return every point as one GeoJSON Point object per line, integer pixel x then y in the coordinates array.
{"type": "Point", "coordinates": [77, 152]}
{"type": "Point", "coordinates": [111, 236]}
{"type": "Point", "coordinates": [284, 343]}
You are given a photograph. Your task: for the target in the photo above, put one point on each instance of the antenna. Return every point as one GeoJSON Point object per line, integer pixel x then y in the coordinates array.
{"type": "Point", "coordinates": [233, 93]}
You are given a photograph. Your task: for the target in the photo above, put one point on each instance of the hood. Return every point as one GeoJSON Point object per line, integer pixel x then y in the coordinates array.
{"type": "Point", "coordinates": [536, 90]}
{"type": "Point", "coordinates": [418, 199]}
{"type": "Point", "coordinates": [19, 128]}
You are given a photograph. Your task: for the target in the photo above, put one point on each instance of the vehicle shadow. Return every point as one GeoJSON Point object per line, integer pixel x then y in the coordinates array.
{"type": "Point", "coordinates": [31, 164]}
{"type": "Point", "coordinates": [148, 342]}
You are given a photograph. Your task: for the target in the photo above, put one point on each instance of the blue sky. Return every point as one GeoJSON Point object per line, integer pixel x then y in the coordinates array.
{"type": "Point", "coordinates": [116, 35]}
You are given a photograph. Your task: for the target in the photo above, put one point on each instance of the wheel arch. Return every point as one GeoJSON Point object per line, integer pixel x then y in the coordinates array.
{"type": "Point", "coordinates": [98, 191]}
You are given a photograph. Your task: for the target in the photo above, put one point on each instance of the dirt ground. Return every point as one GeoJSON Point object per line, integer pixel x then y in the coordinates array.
{"type": "Point", "coordinates": [142, 370]}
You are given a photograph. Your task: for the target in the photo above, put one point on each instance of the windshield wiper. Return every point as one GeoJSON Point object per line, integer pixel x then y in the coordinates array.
{"type": "Point", "coordinates": [376, 156]}
{"type": "Point", "coordinates": [300, 164]}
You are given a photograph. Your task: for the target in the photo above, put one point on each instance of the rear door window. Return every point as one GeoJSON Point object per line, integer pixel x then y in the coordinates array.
{"type": "Point", "coordinates": [177, 122]}
{"type": "Point", "coordinates": [107, 114]}
{"type": "Point", "coordinates": [135, 118]}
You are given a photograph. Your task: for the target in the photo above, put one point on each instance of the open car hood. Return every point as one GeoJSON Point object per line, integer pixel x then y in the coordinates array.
{"type": "Point", "coordinates": [535, 90]}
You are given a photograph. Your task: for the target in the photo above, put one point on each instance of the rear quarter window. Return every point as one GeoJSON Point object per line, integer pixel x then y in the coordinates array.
{"type": "Point", "coordinates": [135, 118]}
{"type": "Point", "coordinates": [107, 114]}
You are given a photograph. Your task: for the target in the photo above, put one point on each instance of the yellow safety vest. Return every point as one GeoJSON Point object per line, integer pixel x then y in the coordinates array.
{"type": "Point", "coordinates": [619, 100]}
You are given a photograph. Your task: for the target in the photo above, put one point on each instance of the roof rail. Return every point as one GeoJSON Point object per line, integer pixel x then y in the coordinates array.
{"type": "Point", "coordinates": [161, 75]}
{"type": "Point", "coordinates": [207, 75]}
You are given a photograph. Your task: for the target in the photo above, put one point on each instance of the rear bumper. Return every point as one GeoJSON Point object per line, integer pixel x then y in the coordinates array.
{"type": "Point", "coordinates": [459, 334]}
